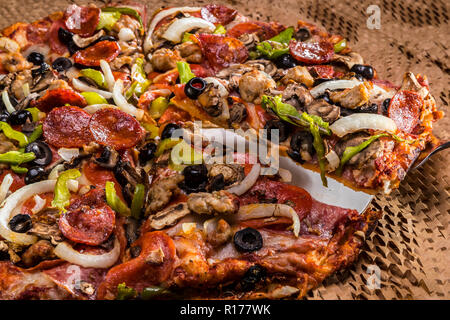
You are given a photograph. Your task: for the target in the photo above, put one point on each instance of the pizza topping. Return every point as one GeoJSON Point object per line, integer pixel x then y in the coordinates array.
{"type": "Point", "coordinates": [20, 223]}
{"type": "Point", "coordinates": [177, 28]}
{"type": "Point", "coordinates": [333, 85]}
{"type": "Point", "coordinates": [168, 216]}
{"type": "Point", "coordinates": [218, 14]}
{"type": "Point", "coordinates": [220, 51]}
{"type": "Point", "coordinates": [67, 127]}
{"type": "Point", "coordinates": [404, 110]}
{"type": "Point", "coordinates": [62, 64]}
{"type": "Point", "coordinates": [105, 260]}
{"type": "Point", "coordinates": [35, 174]}
{"type": "Point", "coordinates": [79, 85]}
{"type": "Point", "coordinates": [363, 70]}
{"type": "Point", "coordinates": [88, 220]}
{"type": "Point", "coordinates": [248, 181]}
{"type": "Point", "coordinates": [362, 121]}
{"type": "Point", "coordinates": [195, 87]}
{"type": "Point", "coordinates": [248, 240]}
{"type": "Point", "coordinates": [82, 20]}
{"type": "Point", "coordinates": [122, 102]}
{"type": "Point", "coordinates": [312, 52]}
{"type": "Point", "coordinates": [91, 56]}
{"type": "Point", "coordinates": [59, 97]}
{"type": "Point", "coordinates": [217, 202]}
{"type": "Point", "coordinates": [262, 30]}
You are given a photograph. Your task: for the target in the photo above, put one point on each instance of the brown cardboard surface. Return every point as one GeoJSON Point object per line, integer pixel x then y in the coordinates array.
{"type": "Point", "coordinates": [410, 246]}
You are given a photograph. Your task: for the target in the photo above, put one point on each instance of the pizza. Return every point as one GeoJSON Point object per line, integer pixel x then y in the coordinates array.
{"type": "Point", "coordinates": [96, 203]}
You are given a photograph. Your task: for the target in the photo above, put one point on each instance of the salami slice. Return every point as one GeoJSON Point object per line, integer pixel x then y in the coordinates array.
{"type": "Point", "coordinates": [67, 127]}
{"type": "Point", "coordinates": [88, 220]}
{"type": "Point", "coordinates": [142, 272]}
{"type": "Point", "coordinates": [404, 109]}
{"type": "Point", "coordinates": [218, 14]}
{"type": "Point", "coordinates": [312, 52]}
{"type": "Point", "coordinates": [220, 51]}
{"type": "Point", "coordinates": [115, 128]}
{"type": "Point", "coordinates": [58, 98]}
{"type": "Point", "coordinates": [263, 30]}
{"type": "Point", "coordinates": [82, 20]}
{"type": "Point", "coordinates": [91, 56]}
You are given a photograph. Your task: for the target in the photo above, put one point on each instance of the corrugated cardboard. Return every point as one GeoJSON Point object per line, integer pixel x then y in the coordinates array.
{"type": "Point", "coordinates": [409, 248]}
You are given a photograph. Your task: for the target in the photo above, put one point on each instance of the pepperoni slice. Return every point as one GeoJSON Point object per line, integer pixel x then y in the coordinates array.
{"type": "Point", "coordinates": [312, 52]}
{"type": "Point", "coordinates": [88, 220]}
{"type": "Point", "coordinates": [55, 44]}
{"type": "Point", "coordinates": [404, 109]}
{"type": "Point", "coordinates": [263, 30]}
{"type": "Point", "coordinates": [149, 268]}
{"type": "Point", "coordinates": [82, 20]}
{"type": "Point", "coordinates": [220, 51]}
{"type": "Point", "coordinates": [278, 192]}
{"type": "Point", "coordinates": [91, 56]}
{"type": "Point", "coordinates": [67, 127]}
{"type": "Point", "coordinates": [115, 128]}
{"type": "Point", "coordinates": [58, 98]}
{"type": "Point", "coordinates": [218, 14]}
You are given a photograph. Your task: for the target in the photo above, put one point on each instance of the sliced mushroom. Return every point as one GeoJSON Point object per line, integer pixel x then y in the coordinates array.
{"type": "Point", "coordinates": [169, 216]}
{"type": "Point", "coordinates": [297, 95]}
{"type": "Point", "coordinates": [361, 158]}
{"type": "Point", "coordinates": [218, 202]}
{"type": "Point", "coordinates": [349, 59]}
{"type": "Point", "coordinates": [328, 112]}
{"type": "Point", "coordinates": [301, 146]}
{"type": "Point", "coordinates": [263, 65]}
{"type": "Point", "coordinates": [232, 173]}
{"type": "Point", "coordinates": [212, 101]}
{"type": "Point", "coordinates": [45, 225]}
{"type": "Point", "coordinates": [238, 113]}
{"type": "Point", "coordinates": [250, 40]}
{"type": "Point", "coordinates": [410, 83]}
{"type": "Point", "coordinates": [84, 42]}
{"type": "Point", "coordinates": [128, 177]}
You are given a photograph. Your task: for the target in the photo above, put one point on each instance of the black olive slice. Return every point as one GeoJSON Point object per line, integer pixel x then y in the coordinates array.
{"type": "Point", "coordinates": [20, 223]}
{"type": "Point", "coordinates": [42, 151]}
{"type": "Point", "coordinates": [248, 240]}
{"type": "Point", "coordinates": [194, 87]}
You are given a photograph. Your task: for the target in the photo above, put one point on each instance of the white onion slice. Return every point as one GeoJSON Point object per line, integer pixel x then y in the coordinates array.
{"type": "Point", "coordinates": [79, 85]}
{"type": "Point", "coordinates": [267, 210]}
{"type": "Point", "coordinates": [222, 90]}
{"type": "Point", "coordinates": [248, 181]}
{"type": "Point", "coordinates": [64, 251]}
{"type": "Point", "coordinates": [158, 17]}
{"type": "Point", "coordinates": [14, 201]}
{"type": "Point", "coordinates": [4, 187]}
{"type": "Point", "coordinates": [333, 85]}
{"type": "Point", "coordinates": [7, 102]}
{"type": "Point", "coordinates": [176, 30]}
{"type": "Point", "coordinates": [39, 204]}
{"type": "Point", "coordinates": [123, 104]}
{"type": "Point", "coordinates": [362, 121]}
{"type": "Point", "coordinates": [109, 77]}
{"type": "Point", "coordinates": [68, 153]}
{"type": "Point", "coordinates": [286, 175]}
{"type": "Point", "coordinates": [93, 108]}
{"type": "Point", "coordinates": [333, 161]}
{"type": "Point", "coordinates": [54, 174]}
{"type": "Point", "coordinates": [125, 34]}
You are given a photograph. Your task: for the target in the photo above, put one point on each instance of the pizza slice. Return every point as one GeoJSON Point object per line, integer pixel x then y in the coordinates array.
{"type": "Point", "coordinates": [332, 112]}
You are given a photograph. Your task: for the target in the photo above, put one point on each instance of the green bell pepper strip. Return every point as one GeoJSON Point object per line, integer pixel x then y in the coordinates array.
{"type": "Point", "coordinates": [127, 11]}
{"type": "Point", "coordinates": [34, 113]}
{"type": "Point", "coordinates": [350, 152]}
{"type": "Point", "coordinates": [10, 133]}
{"type": "Point", "coordinates": [220, 29]}
{"type": "Point", "coordinates": [61, 198]}
{"type": "Point", "coordinates": [108, 20]}
{"type": "Point", "coordinates": [339, 46]}
{"type": "Point", "coordinates": [153, 292]}
{"type": "Point", "coordinates": [93, 98]}
{"type": "Point", "coordinates": [289, 114]}
{"type": "Point", "coordinates": [138, 201]}
{"type": "Point", "coordinates": [158, 106]}
{"type": "Point", "coordinates": [165, 145]}
{"type": "Point", "coordinates": [276, 46]}
{"type": "Point", "coordinates": [125, 293]}
{"type": "Point", "coordinates": [114, 201]}
{"type": "Point", "coordinates": [19, 170]}
{"type": "Point", "coordinates": [140, 81]}
{"type": "Point", "coordinates": [184, 70]}
{"type": "Point", "coordinates": [16, 157]}
{"type": "Point", "coordinates": [186, 37]}
{"type": "Point", "coordinates": [95, 76]}
{"type": "Point", "coordinates": [36, 134]}
{"type": "Point", "coordinates": [152, 129]}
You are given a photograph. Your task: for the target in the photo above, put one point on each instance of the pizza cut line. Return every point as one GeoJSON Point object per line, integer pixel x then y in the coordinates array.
{"type": "Point", "coordinates": [95, 205]}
